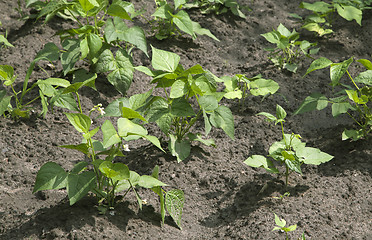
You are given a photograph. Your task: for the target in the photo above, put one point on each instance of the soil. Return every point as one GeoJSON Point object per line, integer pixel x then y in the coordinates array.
{"type": "Point", "coordinates": [223, 199]}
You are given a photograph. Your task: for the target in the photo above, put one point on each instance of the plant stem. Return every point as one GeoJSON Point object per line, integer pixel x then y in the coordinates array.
{"type": "Point", "coordinates": [352, 79]}
{"type": "Point", "coordinates": [78, 99]}
{"type": "Point", "coordinates": [286, 175]}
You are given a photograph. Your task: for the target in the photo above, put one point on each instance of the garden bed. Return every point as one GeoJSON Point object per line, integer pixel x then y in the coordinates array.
{"type": "Point", "coordinates": [223, 197]}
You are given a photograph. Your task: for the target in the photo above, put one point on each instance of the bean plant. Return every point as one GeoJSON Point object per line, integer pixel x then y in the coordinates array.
{"type": "Point", "coordinates": [12, 100]}
{"type": "Point", "coordinates": [170, 20]}
{"type": "Point", "coordinates": [281, 227]}
{"type": "Point", "coordinates": [217, 6]}
{"type": "Point", "coordinates": [353, 99]}
{"type": "Point", "coordinates": [101, 174]}
{"type": "Point", "coordinates": [189, 95]}
{"type": "Point", "coordinates": [321, 19]}
{"type": "Point", "coordinates": [101, 29]}
{"type": "Point", "coordinates": [290, 151]}
{"type": "Point", "coordinates": [288, 49]}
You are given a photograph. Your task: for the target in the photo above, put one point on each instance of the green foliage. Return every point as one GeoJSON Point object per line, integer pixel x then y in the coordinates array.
{"type": "Point", "coordinates": [288, 49]}
{"type": "Point", "coordinates": [281, 227]}
{"type": "Point", "coordinates": [3, 40]}
{"type": "Point", "coordinates": [354, 97]}
{"type": "Point", "coordinates": [217, 6]}
{"type": "Point", "coordinates": [320, 21]}
{"type": "Point", "coordinates": [104, 177]}
{"type": "Point", "coordinates": [175, 114]}
{"type": "Point", "coordinates": [290, 151]}
{"type": "Point", "coordinates": [101, 27]}
{"type": "Point", "coordinates": [12, 103]}
{"type": "Point", "coordinates": [170, 20]}
{"type": "Point", "coordinates": [240, 86]}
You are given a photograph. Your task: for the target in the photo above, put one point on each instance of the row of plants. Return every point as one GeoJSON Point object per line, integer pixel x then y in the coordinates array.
{"type": "Point", "coordinates": [105, 42]}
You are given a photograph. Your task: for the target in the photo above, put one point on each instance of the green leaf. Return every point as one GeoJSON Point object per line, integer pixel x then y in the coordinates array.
{"type": "Point", "coordinates": [272, 37]}
{"type": "Point", "coordinates": [136, 36]}
{"type": "Point", "coordinates": [7, 73]}
{"type": "Point", "coordinates": [127, 127]}
{"type": "Point", "coordinates": [80, 121]}
{"type": "Point", "coordinates": [262, 87]}
{"type": "Point", "coordinates": [121, 79]}
{"type": "Point", "coordinates": [50, 176]}
{"type": "Point", "coordinates": [149, 182]}
{"type": "Point", "coordinates": [178, 89]}
{"type": "Point", "coordinates": [320, 7]}
{"type": "Point", "coordinates": [65, 101]}
{"type": "Point", "coordinates": [83, 147]}
{"type": "Point", "coordinates": [314, 101]}
{"type": "Point", "coordinates": [319, 63]}
{"type": "Point", "coordinates": [118, 9]}
{"type": "Point", "coordinates": [340, 108]}
{"type": "Point", "coordinates": [208, 103]}
{"type": "Point", "coordinates": [350, 13]}
{"type": "Point", "coordinates": [130, 114]}
{"type": "Point", "coordinates": [197, 137]}
{"type": "Point", "coordinates": [106, 62]}
{"type": "Point", "coordinates": [5, 41]}
{"type": "Point", "coordinates": [269, 116]}
{"type": "Point", "coordinates": [154, 140]}
{"type": "Point", "coordinates": [338, 70]}
{"type": "Point", "coordinates": [352, 134]}
{"type": "Point", "coordinates": [88, 4]}
{"type": "Point", "coordinates": [163, 12]}
{"type": "Point", "coordinates": [79, 167]}
{"type": "Point", "coordinates": [291, 228]}
{"type": "Point", "coordinates": [207, 123]}
{"type": "Point", "coordinates": [50, 52]}
{"type": "Point", "coordinates": [280, 113]}
{"type": "Point", "coordinates": [280, 222]}
{"type": "Point", "coordinates": [180, 150]}
{"type": "Point", "coordinates": [222, 118]}
{"type": "Point", "coordinates": [115, 171]}
{"type": "Point", "coordinates": [4, 101]}
{"type": "Point", "coordinates": [55, 82]}
{"type": "Point", "coordinates": [110, 136]}
{"type": "Point", "coordinates": [364, 77]}
{"type": "Point", "coordinates": [180, 107]}
{"type": "Point", "coordinates": [366, 63]}
{"type": "Point", "coordinates": [121, 67]}
{"type": "Point", "coordinates": [174, 200]}
{"type": "Point", "coordinates": [163, 60]}
{"type": "Point", "coordinates": [203, 31]}
{"type": "Point", "coordinates": [94, 44]}
{"type": "Point", "coordinates": [71, 55]}
{"type": "Point", "coordinates": [78, 185]}
{"type": "Point", "coordinates": [90, 134]}
{"type": "Point", "coordinates": [313, 156]}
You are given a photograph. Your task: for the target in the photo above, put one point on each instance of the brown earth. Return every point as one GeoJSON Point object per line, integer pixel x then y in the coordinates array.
{"type": "Point", "coordinates": [330, 201]}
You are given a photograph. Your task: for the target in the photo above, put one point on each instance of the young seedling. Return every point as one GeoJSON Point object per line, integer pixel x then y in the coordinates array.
{"type": "Point", "coordinates": [281, 227]}
{"type": "Point", "coordinates": [3, 40]}
{"type": "Point", "coordinates": [105, 177]}
{"type": "Point", "coordinates": [217, 7]}
{"type": "Point", "coordinates": [355, 97]}
{"type": "Point", "coordinates": [170, 20]}
{"type": "Point", "coordinates": [288, 49]}
{"type": "Point", "coordinates": [290, 151]}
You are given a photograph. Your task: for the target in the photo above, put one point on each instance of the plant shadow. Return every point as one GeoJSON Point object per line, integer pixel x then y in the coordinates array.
{"type": "Point", "coordinates": [247, 199]}
{"type": "Point", "coordinates": [47, 223]}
